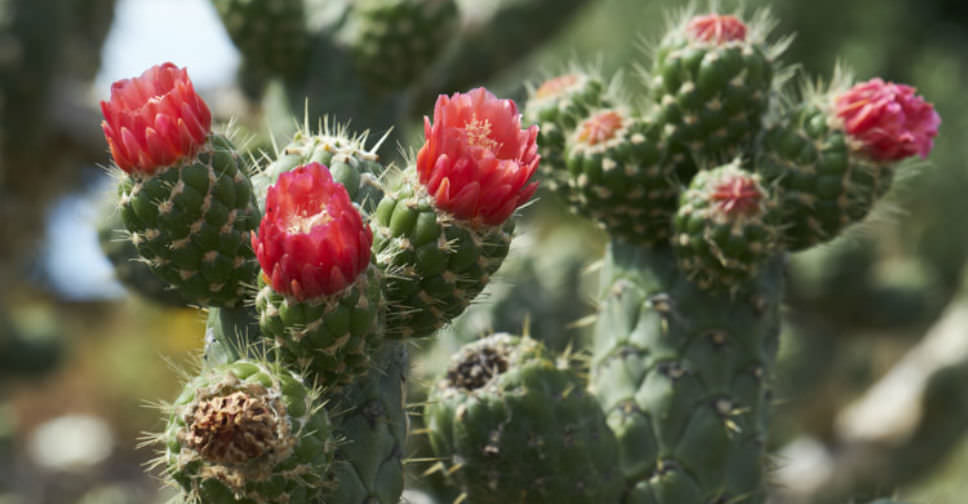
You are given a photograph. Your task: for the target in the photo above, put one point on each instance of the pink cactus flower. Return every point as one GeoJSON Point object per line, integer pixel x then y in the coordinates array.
{"type": "Point", "coordinates": [738, 195]}
{"type": "Point", "coordinates": [600, 128]}
{"type": "Point", "coordinates": [716, 29]}
{"type": "Point", "coordinates": [557, 85]}
{"type": "Point", "coordinates": [477, 160]}
{"type": "Point", "coordinates": [154, 120]}
{"type": "Point", "coordinates": [312, 241]}
{"type": "Point", "coordinates": [888, 119]}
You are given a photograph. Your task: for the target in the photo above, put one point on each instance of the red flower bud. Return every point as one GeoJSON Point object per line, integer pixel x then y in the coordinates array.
{"type": "Point", "coordinates": [154, 120]}
{"type": "Point", "coordinates": [888, 119]}
{"type": "Point", "coordinates": [716, 29]}
{"type": "Point", "coordinates": [312, 241]}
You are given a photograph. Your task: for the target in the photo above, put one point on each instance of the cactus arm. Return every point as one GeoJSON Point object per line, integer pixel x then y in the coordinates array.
{"type": "Point", "coordinates": [371, 416]}
{"type": "Point", "coordinates": [682, 376]}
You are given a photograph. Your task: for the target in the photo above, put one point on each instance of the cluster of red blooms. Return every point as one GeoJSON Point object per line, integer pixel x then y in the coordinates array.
{"type": "Point", "coordinates": [477, 162]}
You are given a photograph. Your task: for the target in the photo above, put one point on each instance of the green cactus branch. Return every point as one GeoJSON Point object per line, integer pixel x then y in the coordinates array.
{"type": "Point", "coordinates": [683, 376]}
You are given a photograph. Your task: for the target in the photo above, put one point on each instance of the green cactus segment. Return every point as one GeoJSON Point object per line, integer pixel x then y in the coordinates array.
{"type": "Point", "coordinates": [682, 376]}
{"type": "Point", "coordinates": [232, 334]}
{"type": "Point", "coordinates": [349, 161]}
{"type": "Point", "coordinates": [514, 428]}
{"type": "Point", "coordinates": [249, 432]}
{"type": "Point", "coordinates": [129, 269]}
{"type": "Point", "coordinates": [331, 337]}
{"type": "Point", "coordinates": [711, 97]}
{"type": "Point", "coordinates": [395, 41]}
{"type": "Point", "coordinates": [823, 186]}
{"type": "Point", "coordinates": [619, 178]}
{"type": "Point", "coordinates": [370, 416]}
{"type": "Point", "coordinates": [557, 106]}
{"type": "Point", "coordinates": [434, 264]}
{"type": "Point", "coordinates": [270, 34]}
{"type": "Point", "coordinates": [725, 228]}
{"type": "Point", "coordinates": [191, 223]}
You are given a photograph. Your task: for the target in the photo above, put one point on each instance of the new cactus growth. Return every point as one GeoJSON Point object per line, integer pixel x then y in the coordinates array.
{"type": "Point", "coordinates": [711, 79]}
{"type": "Point", "coordinates": [725, 228]}
{"type": "Point", "coordinates": [556, 106]}
{"type": "Point", "coordinates": [618, 175]}
{"type": "Point", "coordinates": [702, 186]}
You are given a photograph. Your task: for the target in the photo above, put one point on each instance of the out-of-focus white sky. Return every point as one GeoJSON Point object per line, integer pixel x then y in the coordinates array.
{"type": "Point", "coordinates": [185, 32]}
{"type": "Point", "coordinates": [145, 33]}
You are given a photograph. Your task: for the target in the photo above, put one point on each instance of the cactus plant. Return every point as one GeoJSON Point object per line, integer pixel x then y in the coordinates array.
{"type": "Point", "coordinates": [700, 186]}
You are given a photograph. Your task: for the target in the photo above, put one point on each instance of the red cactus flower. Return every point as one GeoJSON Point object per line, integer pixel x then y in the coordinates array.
{"type": "Point", "coordinates": [477, 160]}
{"type": "Point", "coordinates": [738, 195]}
{"type": "Point", "coordinates": [888, 119]}
{"type": "Point", "coordinates": [557, 85]}
{"type": "Point", "coordinates": [716, 29]}
{"type": "Point", "coordinates": [312, 241]}
{"type": "Point", "coordinates": [154, 120]}
{"type": "Point", "coordinates": [600, 128]}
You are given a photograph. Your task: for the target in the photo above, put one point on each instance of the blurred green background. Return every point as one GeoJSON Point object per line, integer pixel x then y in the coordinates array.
{"type": "Point", "coordinates": [872, 389]}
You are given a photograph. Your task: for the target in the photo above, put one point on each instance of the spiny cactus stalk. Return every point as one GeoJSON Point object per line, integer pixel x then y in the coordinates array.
{"type": "Point", "coordinates": [318, 263]}
{"type": "Point", "coordinates": [688, 323]}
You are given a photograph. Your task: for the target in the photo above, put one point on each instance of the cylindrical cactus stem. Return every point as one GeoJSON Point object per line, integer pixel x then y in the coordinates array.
{"type": "Point", "coordinates": [446, 229]}
{"type": "Point", "coordinates": [683, 375]}
{"type": "Point", "coordinates": [394, 41]}
{"type": "Point", "coordinates": [186, 199]}
{"type": "Point", "coordinates": [251, 432]}
{"type": "Point", "coordinates": [370, 417]}
{"type": "Point", "coordinates": [711, 80]}
{"type": "Point", "coordinates": [320, 296]}
{"type": "Point", "coordinates": [513, 428]}
{"type": "Point", "coordinates": [832, 157]}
